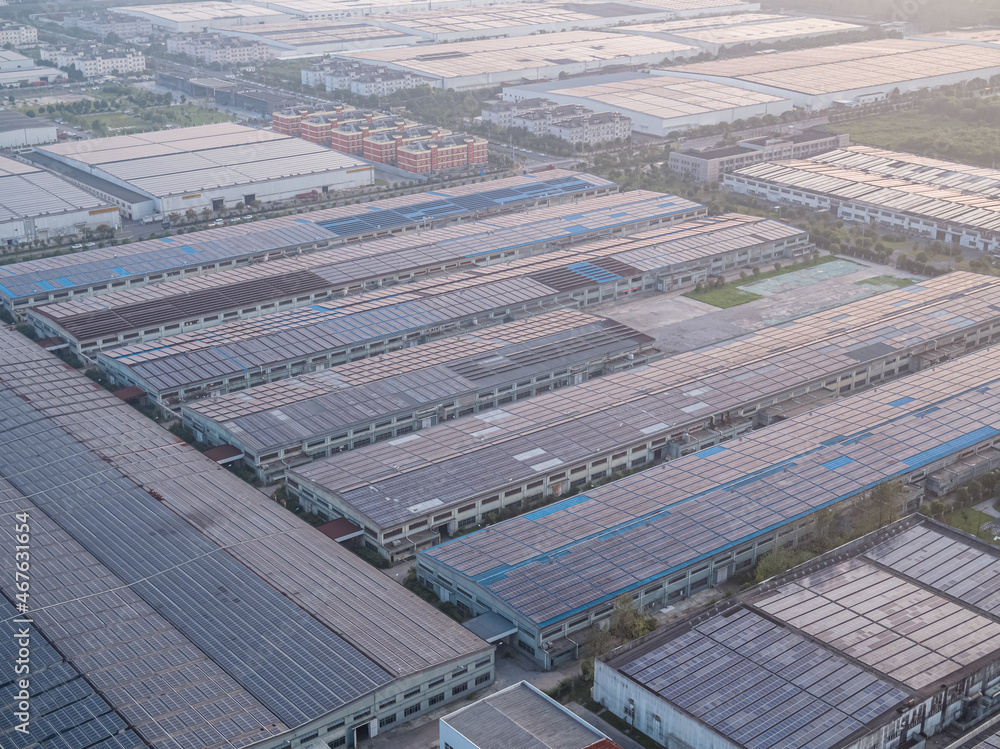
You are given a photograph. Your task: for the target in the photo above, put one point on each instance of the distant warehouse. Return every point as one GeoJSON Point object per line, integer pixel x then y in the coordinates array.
{"type": "Point", "coordinates": [208, 167]}
{"type": "Point", "coordinates": [694, 522]}
{"type": "Point", "coordinates": [102, 271]}
{"type": "Point", "coordinates": [463, 471]}
{"type": "Point", "coordinates": [899, 191]}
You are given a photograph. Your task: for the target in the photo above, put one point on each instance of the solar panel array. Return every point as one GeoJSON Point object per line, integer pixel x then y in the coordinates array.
{"type": "Point", "coordinates": [65, 710]}
{"type": "Point", "coordinates": [466, 458]}
{"type": "Point", "coordinates": [367, 391]}
{"type": "Point", "coordinates": [585, 550]}
{"type": "Point", "coordinates": [340, 267]}
{"type": "Point", "coordinates": [225, 350]}
{"type": "Point", "coordinates": [21, 280]}
{"type": "Point", "coordinates": [160, 576]}
{"type": "Point", "coordinates": [762, 685]}
{"type": "Point", "coordinates": [899, 628]}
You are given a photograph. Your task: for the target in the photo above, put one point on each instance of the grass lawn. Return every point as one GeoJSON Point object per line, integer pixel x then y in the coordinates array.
{"type": "Point", "coordinates": [935, 135]}
{"type": "Point", "coordinates": [731, 295]}
{"type": "Point", "coordinates": [192, 114]}
{"type": "Point", "coordinates": [727, 296]}
{"type": "Point", "coordinates": [116, 123]}
{"type": "Point", "coordinates": [970, 520]}
{"type": "Point", "coordinates": [886, 281]}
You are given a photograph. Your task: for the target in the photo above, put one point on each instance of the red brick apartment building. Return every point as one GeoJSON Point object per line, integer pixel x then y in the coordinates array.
{"type": "Point", "coordinates": [449, 152]}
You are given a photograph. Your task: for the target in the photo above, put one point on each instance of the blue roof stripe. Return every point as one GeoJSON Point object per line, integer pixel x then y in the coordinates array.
{"type": "Point", "coordinates": [902, 401]}
{"type": "Point", "coordinates": [710, 451]}
{"type": "Point", "coordinates": [840, 462]}
{"type": "Point", "coordinates": [556, 507]}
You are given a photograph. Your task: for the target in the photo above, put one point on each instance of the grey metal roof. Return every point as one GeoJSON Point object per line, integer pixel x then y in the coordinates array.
{"type": "Point", "coordinates": [29, 192]}
{"type": "Point", "coordinates": [582, 551]}
{"type": "Point", "coordinates": [160, 576]}
{"type": "Point", "coordinates": [519, 717]}
{"type": "Point", "coordinates": [21, 280]}
{"type": "Point", "coordinates": [369, 390]}
{"type": "Point", "coordinates": [349, 265]}
{"type": "Point", "coordinates": [457, 460]}
{"type": "Point", "coordinates": [11, 120]}
{"type": "Point", "coordinates": [186, 359]}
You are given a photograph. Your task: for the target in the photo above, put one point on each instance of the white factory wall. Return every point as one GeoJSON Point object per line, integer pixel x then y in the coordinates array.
{"type": "Point", "coordinates": [653, 715]}
{"type": "Point", "coordinates": [29, 136]}
{"type": "Point", "coordinates": [55, 225]}
{"type": "Point", "coordinates": [647, 123]}
{"type": "Point", "coordinates": [271, 190]}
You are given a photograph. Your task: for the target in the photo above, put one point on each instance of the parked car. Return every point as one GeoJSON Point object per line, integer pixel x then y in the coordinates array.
{"type": "Point", "coordinates": [78, 247]}
{"type": "Point", "coordinates": [90, 244]}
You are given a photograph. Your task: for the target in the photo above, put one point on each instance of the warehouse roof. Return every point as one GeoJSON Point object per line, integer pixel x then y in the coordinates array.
{"type": "Point", "coordinates": [235, 348]}
{"type": "Point", "coordinates": [745, 28]}
{"type": "Point", "coordinates": [29, 192]}
{"type": "Point", "coordinates": [10, 120]}
{"type": "Point", "coordinates": [848, 639]}
{"type": "Point", "coordinates": [564, 428]}
{"type": "Point", "coordinates": [582, 551]}
{"type": "Point", "coordinates": [346, 265]}
{"type": "Point", "coordinates": [199, 11]}
{"type": "Point", "coordinates": [306, 33]}
{"type": "Point", "coordinates": [827, 70]}
{"type": "Point", "coordinates": [23, 279]}
{"type": "Point", "coordinates": [187, 160]}
{"type": "Point", "coordinates": [497, 56]}
{"type": "Point", "coordinates": [521, 716]}
{"type": "Point", "coordinates": [655, 95]}
{"type": "Point", "coordinates": [362, 391]}
{"type": "Point", "coordinates": [911, 195]}
{"type": "Point", "coordinates": [177, 633]}
{"type": "Point", "coordinates": [477, 20]}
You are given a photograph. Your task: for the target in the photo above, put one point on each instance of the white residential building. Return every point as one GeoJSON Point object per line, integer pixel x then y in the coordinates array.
{"type": "Point", "coordinates": [570, 122]}
{"type": "Point", "coordinates": [225, 50]}
{"type": "Point", "coordinates": [17, 34]}
{"type": "Point", "coordinates": [102, 24]}
{"type": "Point", "coordinates": [358, 78]}
{"type": "Point", "coordinates": [95, 60]}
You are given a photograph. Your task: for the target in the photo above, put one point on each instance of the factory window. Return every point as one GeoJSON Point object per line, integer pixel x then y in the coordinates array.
{"type": "Point", "coordinates": [411, 710]}
{"type": "Point", "coordinates": [526, 647]}
{"type": "Point", "coordinates": [470, 508]}
{"type": "Point", "coordinates": [557, 476]}
{"type": "Point", "coordinates": [483, 679]}
{"type": "Point", "coordinates": [387, 703]}
{"type": "Point", "coordinates": [461, 688]}
{"type": "Point", "coordinates": [362, 714]}
{"type": "Point", "coordinates": [484, 662]}
{"type": "Point", "coordinates": [338, 724]}
{"type": "Point", "coordinates": [419, 524]}
{"type": "Point", "coordinates": [436, 699]}
{"type": "Point", "coordinates": [341, 741]}
{"type": "Point", "coordinates": [411, 693]}
{"type": "Point", "coordinates": [444, 516]}
{"type": "Point", "coordinates": [436, 682]}
{"type": "Point", "coordinates": [387, 721]}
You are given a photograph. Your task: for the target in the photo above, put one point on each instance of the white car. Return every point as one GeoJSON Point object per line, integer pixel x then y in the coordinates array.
{"type": "Point", "coordinates": [248, 217]}
{"type": "Point", "coordinates": [78, 247]}
{"type": "Point", "coordinates": [90, 244]}
{"type": "Point", "coordinates": [218, 222]}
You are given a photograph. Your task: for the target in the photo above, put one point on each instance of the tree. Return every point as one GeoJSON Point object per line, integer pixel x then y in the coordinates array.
{"type": "Point", "coordinates": [30, 113]}
{"type": "Point", "coordinates": [190, 214]}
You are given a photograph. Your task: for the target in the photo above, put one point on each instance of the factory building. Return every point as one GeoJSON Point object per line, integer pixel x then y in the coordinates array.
{"type": "Point", "coordinates": [199, 17]}
{"type": "Point", "coordinates": [478, 370]}
{"type": "Point", "coordinates": [493, 62]}
{"type": "Point", "coordinates": [211, 166]}
{"type": "Point", "coordinates": [290, 281]}
{"type": "Point", "coordinates": [200, 88]}
{"type": "Point", "coordinates": [716, 33]}
{"type": "Point", "coordinates": [709, 164]}
{"type": "Point", "coordinates": [16, 71]}
{"type": "Point", "coordinates": [237, 355]}
{"type": "Point", "coordinates": [519, 716]}
{"type": "Point", "coordinates": [850, 74]}
{"type": "Point", "coordinates": [657, 103]}
{"type": "Point", "coordinates": [882, 643]}
{"type": "Point", "coordinates": [696, 521]}
{"type": "Point", "coordinates": [95, 272]}
{"type": "Point", "coordinates": [102, 23]}
{"type": "Point", "coordinates": [291, 422]}
{"type": "Point", "coordinates": [557, 443]}
{"type": "Point", "coordinates": [903, 192]}
{"type": "Point", "coordinates": [162, 658]}
{"type": "Point", "coordinates": [39, 205]}
{"type": "Point", "coordinates": [312, 10]}
{"type": "Point", "coordinates": [313, 38]}
{"type": "Point", "coordinates": [518, 20]}
{"type": "Point", "coordinates": [18, 131]}
{"type": "Point", "coordinates": [96, 60]}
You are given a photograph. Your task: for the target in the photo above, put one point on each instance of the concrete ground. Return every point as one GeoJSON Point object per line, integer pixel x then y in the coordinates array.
{"type": "Point", "coordinates": [680, 324]}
